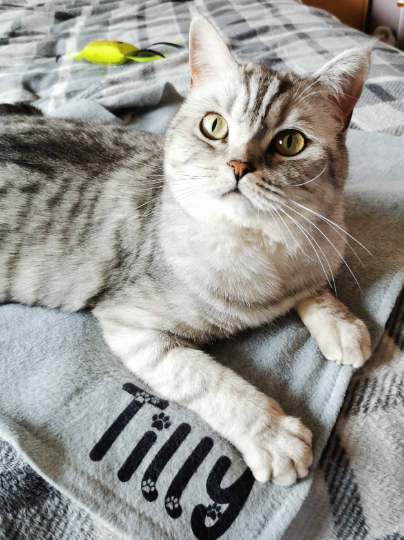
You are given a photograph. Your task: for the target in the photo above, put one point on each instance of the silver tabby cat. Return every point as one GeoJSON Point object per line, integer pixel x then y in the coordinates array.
{"type": "Point", "coordinates": [230, 220]}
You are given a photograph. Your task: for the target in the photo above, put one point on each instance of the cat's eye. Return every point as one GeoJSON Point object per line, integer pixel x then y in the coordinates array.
{"type": "Point", "coordinates": [289, 142]}
{"type": "Point", "coordinates": [214, 126]}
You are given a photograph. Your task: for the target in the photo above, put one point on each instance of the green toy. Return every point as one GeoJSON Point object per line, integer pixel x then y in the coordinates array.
{"type": "Point", "coordinates": [115, 53]}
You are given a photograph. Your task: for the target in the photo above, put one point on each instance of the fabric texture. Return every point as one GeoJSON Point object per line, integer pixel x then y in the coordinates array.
{"type": "Point", "coordinates": [357, 491]}
{"type": "Point", "coordinates": [114, 460]}
{"type": "Point", "coordinates": [142, 464]}
{"type": "Point", "coordinates": [283, 34]}
{"type": "Point", "coordinates": [32, 509]}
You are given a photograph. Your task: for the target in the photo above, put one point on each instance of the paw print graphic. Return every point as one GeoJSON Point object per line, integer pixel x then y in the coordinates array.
{"type": "Point", "coordinates": [171, 502]}
{"type": "Point", "coordinates": [142, 397]}
{"type": "Point", "coordinates": [148, 486]}
{"type": "Point", "coordinates": [214, 511]}
{"type": "Point", "coordinates": [161, 421]}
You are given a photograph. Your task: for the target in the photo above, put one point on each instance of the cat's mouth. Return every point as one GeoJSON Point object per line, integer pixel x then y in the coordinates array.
{"type": "Point", "coordinates": [235, 191]}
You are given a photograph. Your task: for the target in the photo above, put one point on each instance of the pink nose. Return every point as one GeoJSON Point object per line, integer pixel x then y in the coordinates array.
{"type": "Point", "coordinates": [240, 168]}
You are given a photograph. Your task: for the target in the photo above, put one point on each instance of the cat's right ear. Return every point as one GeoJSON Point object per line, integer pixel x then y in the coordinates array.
{"type": "Point", "coordinates": [343, 79]}
{"type": "Point", "coordinates": [209, 56]}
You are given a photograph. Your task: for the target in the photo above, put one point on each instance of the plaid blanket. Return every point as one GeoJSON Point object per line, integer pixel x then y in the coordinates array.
{"type": "Point", "coordinates": [355, 490]}
{"type": "Point", "coordinates": [282, 33]}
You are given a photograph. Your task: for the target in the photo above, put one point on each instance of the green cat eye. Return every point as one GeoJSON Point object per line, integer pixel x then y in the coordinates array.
{"type": "Point", "coordinates": [289, 142]}
{"type": "Point", "coordinates": [214, 126]}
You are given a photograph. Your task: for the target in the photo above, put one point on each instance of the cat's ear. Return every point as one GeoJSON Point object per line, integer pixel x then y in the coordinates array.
{"type": "Point", "coordinates": [209, 56]}
{"type": "Point", "coordinates": [344, 77]}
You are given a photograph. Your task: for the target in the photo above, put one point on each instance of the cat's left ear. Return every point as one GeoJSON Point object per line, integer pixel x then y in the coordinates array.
{"type": "Point", "coordinates": [209, 56]}
{"type": "Point", "coordinates": [344, 77]}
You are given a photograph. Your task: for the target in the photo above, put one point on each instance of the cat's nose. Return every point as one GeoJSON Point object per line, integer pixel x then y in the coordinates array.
{"type": "Point", "coordinates": [240, 168]}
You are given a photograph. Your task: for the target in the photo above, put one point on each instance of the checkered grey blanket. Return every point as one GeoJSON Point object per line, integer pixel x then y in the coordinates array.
{"type": "Point", "coordinates": [357, 492]}
{"type": "Point", "coordinates": [354, 494]}
{"type": "Point", "coordinates": [284, 34]}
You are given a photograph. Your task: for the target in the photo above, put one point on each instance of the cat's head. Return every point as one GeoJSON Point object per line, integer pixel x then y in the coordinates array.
{"type": "Point", "coordinates": [248, 140]}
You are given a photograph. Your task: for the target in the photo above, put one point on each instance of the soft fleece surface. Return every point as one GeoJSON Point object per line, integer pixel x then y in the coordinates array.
{"type": "Point", "coordinates": [151, 469]}
{"type": "Point", "coordinates": [60, 390]}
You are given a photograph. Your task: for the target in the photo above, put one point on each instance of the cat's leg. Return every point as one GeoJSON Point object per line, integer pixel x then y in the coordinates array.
{"type": "Point", "coordinates": [340, 336]}
{"type": "Point", "coordinates": [275, 446]}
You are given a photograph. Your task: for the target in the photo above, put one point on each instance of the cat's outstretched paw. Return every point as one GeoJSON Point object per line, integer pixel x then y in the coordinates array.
{"type": "Point", "coordinates": [280, 451]}
{"type": "Point", "coordinates": [345, 341]}
{"type": "Point", "coordinates": [340, 336]}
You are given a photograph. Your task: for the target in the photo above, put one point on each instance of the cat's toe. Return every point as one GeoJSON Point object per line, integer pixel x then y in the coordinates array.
{"type": "Point", "coordinates": [281, 452]}
{"type": "Point", "coordinates": [346, 342]}
{"type": "Point", "coordinates": [293, 455]}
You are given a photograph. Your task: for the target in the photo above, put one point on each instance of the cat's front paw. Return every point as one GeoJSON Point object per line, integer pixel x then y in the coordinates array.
{"type": "Point", "coordinates": [280, 450]}
{"type": "Point", "coordinates": [345, 341]}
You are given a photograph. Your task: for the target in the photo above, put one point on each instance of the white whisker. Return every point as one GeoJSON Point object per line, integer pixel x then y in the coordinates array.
{"type": "Point", "coordinates": [304, 231]}
{"type": "Point", "coordinates": [343, 238]}
{"type": "Point", "coordinates": [290, 232]}
{"type": "Point", "coordinates": [331, 222]}
{"type": "Point", "coordinates": [328, 240]}
{"type": "Point", "coordinates": [312, 180]}
{"type": "Point", "coordinates": [280, 230]}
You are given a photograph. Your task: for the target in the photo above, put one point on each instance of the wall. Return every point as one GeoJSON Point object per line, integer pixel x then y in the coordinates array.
{"type": "Point", "coordinates": [386, 13]}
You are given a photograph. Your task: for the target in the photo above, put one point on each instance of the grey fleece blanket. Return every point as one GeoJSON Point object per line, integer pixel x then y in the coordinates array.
{"type": "Point", "coordinates": [357, 490]}
{"type": "Point", "coordinates": [150, 469]}
{"type": "Point", "coordinates": [124, 461]}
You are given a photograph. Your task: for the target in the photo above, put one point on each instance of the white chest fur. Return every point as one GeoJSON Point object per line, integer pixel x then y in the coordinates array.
{"type": "Point", "coordinates": [235, 278]}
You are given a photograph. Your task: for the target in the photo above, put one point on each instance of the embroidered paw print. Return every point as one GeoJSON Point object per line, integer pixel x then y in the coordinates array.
{"type": "Point", "coordinates": [172, 502]}
{"type": "Point", "coordinates": [161, 421]}
{"type": "Point", "coordinates": [142, 397]}
{"type": "Point", "coordinates": [148, 486]}
{"type": "Point", "coordinates": [214, 511]}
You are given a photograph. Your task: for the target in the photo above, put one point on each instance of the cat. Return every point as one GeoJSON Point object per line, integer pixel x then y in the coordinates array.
{"type": "Point", "coordinates": [231, 219]}
{"type": "Point", "coordinates": [386, 35]}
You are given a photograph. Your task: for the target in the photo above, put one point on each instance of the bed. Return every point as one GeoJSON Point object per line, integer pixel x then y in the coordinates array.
{"type": "Point", "coordinates": [357, 487]}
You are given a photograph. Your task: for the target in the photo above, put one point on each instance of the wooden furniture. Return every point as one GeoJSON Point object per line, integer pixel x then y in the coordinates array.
{"type": "Point", "coordinates": [350, 12]}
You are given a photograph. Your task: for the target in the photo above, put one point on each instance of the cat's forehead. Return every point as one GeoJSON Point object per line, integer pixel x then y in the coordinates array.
{"type": "Point", "coordinates": [261, 94]}
{"type": "Point", "coordinates": [257, 102]}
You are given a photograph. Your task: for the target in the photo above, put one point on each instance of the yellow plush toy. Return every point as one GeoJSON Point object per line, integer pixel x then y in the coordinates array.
{"type": "Point", "coordinates": [115, 53]}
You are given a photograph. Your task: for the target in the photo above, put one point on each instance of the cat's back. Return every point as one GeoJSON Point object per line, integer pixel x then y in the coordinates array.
{"type": "Point", "coordinates": [53, 145]}
{"type": "Point", "coordinates": [65, 187]}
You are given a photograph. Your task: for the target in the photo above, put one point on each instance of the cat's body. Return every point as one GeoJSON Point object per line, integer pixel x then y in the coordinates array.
{"type": "Point", "coordinates": [94, 223]}
{"type": "Point", "coordinates": [73, 198]}
{"type": "Point", "coordinates": [176, 241]}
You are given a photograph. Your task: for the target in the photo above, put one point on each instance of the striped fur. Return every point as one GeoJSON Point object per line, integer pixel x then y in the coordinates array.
{"type": "Point", "coordinates": [145, 231]}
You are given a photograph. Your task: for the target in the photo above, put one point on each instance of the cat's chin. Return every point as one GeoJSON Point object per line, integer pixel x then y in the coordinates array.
{"type": "Point", "coordinates": [238, 209]}
{"type": "Point", "coordinates": [235, 201]}
{"type": "Point", "coordinates": [233, 193]}
{"type": "Point", "coordinates": [231, 208]}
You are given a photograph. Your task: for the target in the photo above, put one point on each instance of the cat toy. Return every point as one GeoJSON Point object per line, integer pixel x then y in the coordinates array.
{"type": "Point", "coordinates": [115, 53]}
